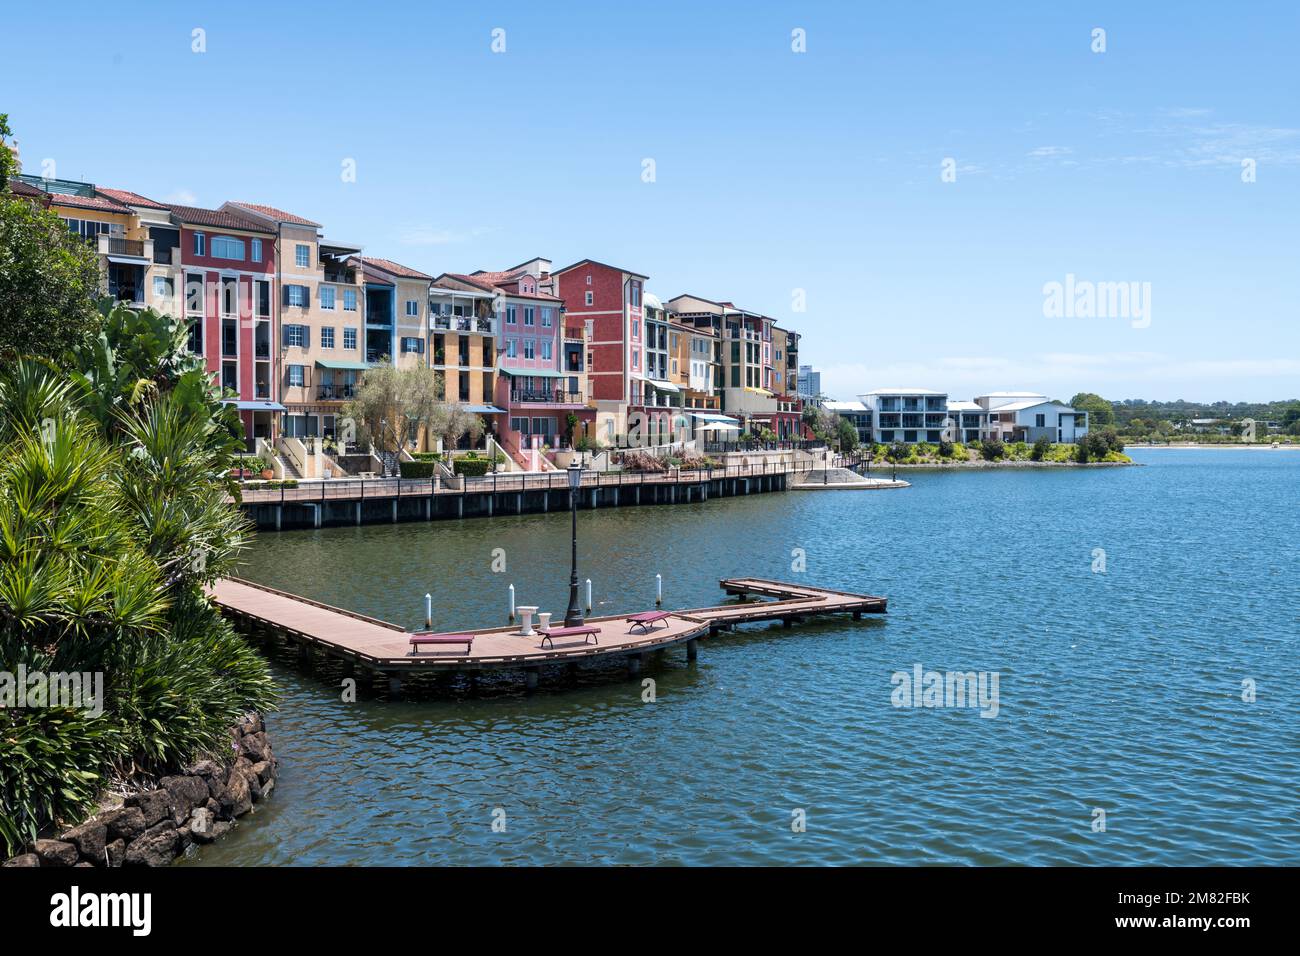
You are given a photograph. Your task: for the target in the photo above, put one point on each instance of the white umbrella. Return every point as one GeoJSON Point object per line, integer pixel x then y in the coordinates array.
{"type": "Point", "coordinates": [719, 427]}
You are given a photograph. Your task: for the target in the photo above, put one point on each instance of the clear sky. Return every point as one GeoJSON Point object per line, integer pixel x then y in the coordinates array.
{"type": "Point", "coordinates": [774, 171]}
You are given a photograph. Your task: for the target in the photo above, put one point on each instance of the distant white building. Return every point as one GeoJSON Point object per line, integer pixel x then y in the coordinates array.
{"type": "Point", "coordinates": [857, 414]}
{"type": "Point", "coordinates": [911, 415]}
{"type": "Point", "coordinates": [907, 414]}
{"type": "Point", "coordinates": [1028, 416]}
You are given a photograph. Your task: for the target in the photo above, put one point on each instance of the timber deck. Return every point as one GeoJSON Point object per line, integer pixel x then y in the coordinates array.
{"type": "Point", "coordinates": [382, 647]}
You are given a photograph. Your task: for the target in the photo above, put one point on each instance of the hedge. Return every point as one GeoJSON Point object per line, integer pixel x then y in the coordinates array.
{"type": "Point", "coordinates": [419, 469]}
{"type": "Point", "coordinates": [472, 467]}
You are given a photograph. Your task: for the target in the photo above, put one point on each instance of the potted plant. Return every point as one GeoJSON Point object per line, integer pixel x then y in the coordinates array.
{"type": "Point", "coordinates": [268, 471]}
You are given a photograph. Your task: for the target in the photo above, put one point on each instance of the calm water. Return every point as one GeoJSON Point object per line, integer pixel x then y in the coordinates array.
{"type": "Point", "coordinates": [1120, 691]}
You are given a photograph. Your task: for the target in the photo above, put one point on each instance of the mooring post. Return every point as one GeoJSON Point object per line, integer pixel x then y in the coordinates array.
{"type": "Point", "coordinates": [358, 513]}
{"type": "Point", "coordinates": [659, 589]}
{"type": "Point", "coordinates": [692, 649]}
{"type": "Point", "coordinates": [512, 604]}
{"type": "Point", "coordinates": [278, 510]}
{"type": "Point", "coordinates": [394, 511]}
{"type": "Point", "coordinates": [428, 611]}
{"type": "Point", "coordinates": [588, 595]}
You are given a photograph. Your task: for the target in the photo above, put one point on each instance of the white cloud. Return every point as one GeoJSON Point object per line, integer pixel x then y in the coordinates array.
{"type": "Point", "coordinates": [181, 197]}
{"type": "Point", "coordinates": [1050, 152]}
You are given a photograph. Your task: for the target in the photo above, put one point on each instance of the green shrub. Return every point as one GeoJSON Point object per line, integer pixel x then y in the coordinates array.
{"type": "Point", "coordinates": [471, 467]}
{"type": "Point", "coordinates": [53, 764]}
{"type": "Point", "coordinates": [1042, 445]}
{"type": "Point", "coordinates": [898, 452]}
{"type": "Point", "coordinates": [946, 449]}
{"type": "Point", "coordinates": [419, 469]}
{"type": "Point", "coordinates": [427, 455]}
{"type": "Point", "coordinates": [993, 449]}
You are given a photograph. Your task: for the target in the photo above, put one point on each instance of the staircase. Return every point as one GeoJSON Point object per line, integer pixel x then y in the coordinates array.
{"type": "Point", "coordinates": [289, 469]}
{"type": "Point", "coordinates": [391, 462]}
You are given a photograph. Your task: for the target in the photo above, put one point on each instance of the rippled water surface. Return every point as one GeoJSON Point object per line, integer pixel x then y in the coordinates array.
{"type": "Point", "coordinates": [1120, 691]}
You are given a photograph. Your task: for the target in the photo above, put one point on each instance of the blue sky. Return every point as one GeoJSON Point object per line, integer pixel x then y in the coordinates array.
{"type": "Point", "coordinates": [774, 171]}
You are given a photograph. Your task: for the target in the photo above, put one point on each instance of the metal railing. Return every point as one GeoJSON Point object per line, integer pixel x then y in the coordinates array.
{"type": "Point", "coordinates": [361, 489]}
{"type": "Point", "coordinates": [552, 396]}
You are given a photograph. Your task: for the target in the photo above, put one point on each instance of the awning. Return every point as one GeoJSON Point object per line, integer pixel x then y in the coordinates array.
{"type": "Point", "coordinates": [710, 417]}
{"type": "Point", "coordinates": [344, 366]}
{"type": "Point", "coordinates": [663, 386]}
{"type": "Point", "coordinates": [533, 372]}
{"type": "Point", "coordinates": [129, 260]}
{"type": "Point", "coordinates": [759, 391]}
{"type": "Point", "coordinates": [483, 409]}
{"type": "Point", "coordinates": [254, 406]}
{"type": "Point", "coordinates": [719, 427]}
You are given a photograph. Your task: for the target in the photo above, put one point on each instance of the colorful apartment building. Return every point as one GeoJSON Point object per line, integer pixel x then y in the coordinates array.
{"type": "Point", "coordinates": [317, 359]}
{"type": "Point", "coordinates": [605, 301]}
{"type": "Point", "coordinates": [228, 268]}
{"type": "Point", "coordinates": [463, 327]}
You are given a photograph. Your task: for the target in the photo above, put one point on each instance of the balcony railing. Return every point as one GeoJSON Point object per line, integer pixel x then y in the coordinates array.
{"type": "Point", "coordinates": [345, 277]}
{"type": "Point", "coordinates": [335, 393]}
{"type": "Point", "coordinates": [121, 246]}
{"type": "Point", "coordinates": [462, 323]}
{"type": "Point", "coordinates": [557, 396]}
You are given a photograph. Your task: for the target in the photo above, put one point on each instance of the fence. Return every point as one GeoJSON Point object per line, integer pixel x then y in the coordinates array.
{"type": "Point", "coordinates": [360, 489]}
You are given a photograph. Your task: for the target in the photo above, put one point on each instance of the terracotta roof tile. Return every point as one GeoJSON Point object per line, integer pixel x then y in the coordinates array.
{"type": "Point", "coordinates": [101, 203]}
{"type": "Point", "coordinates": [277, 214]}
{"type": "Point", "coordinates": [129, 198]}
{"type": "Point", "coordinates": [395, 268]}
{"type": "Point", "coordinates": [215, 217]}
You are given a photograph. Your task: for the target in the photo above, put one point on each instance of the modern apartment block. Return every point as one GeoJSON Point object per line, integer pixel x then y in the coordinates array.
{"type": "Point", "coordinates": [463, 337]}
{"type": "Point", "coordinates": [810, 383]}
{"type": "Point", "coordinates": [907, 414]}
{"type": "Point", "coordinates": [1028, 416]}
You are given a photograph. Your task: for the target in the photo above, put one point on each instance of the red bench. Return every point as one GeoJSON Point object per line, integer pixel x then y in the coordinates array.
{"type": "Point", "coordinates": [647, 620]}
{"type": "Point", "coordinates": [586, 630]}
{"type": "Point", "coordinates": [419, 640]}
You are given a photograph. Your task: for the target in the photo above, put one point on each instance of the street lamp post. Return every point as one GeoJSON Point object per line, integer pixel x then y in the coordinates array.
{"type": "Point", "coordinates": [573, 616]}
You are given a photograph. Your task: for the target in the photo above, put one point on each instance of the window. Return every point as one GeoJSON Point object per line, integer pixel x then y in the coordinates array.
{"type": "Point", "coordinates": [224, 247]}
{"type": "Point", "coordinates": [546, 349]}
{"type": "Point", "coordinates": [162, 288]}
{"type": "Point", "coordinates": [530, 315]}
{"type": "Point", "coordinates": [200, 244]}
{"type": "Point", "coordinates": [302, 256]}
{"type": "Point", "coordinates": [413, 344]}
{"type": "Point", "coordinates": [530, 348]}
{"type": "Point", "coordinates": [349, 300]}
{"type": "Point", "coordinates": [587, 299]}
{"type": "Point", "coordinates": [512, 316]}
{"type": "Point", "coordinates": [297, 376]}
{"type": "Point", "coordinates": [512, 348]}
{"type": "Point", "coordinates": [412, 307]}
{"type": "Point", "coordinates": [588, 280]}
{"type": "Point", "coordinates": [295, 295]}
{"type": "Point", "coordinates": [547, 313]}
{"type": "Point", "coordinates": [635, 288]}
{"type": "Point", "coordinates": [256, 250]}
{"type": "Point", "coordinates": [327, 297]}
{"type": "Point", "coordinates": [636, 328]}
{"type": "Point", "coordinates": [263, 299]}
{"type": "Point", "coordinates": [350, 338]}
{"type": "Point", "coordinates": [295, 335]}
{"type": "Point", "coordinates": [1040, 421]}
{"type": "Point", "coordinates": [327, 337]}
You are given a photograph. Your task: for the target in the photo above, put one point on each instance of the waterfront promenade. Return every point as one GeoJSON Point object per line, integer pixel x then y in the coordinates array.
{"type": "Point", "coordinates": [383, 649]}
{"type": "Point", "coordinates": [315, 504]}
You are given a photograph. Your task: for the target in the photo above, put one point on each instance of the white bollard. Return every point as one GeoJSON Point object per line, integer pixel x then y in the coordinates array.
{"type": "Point", "coordinates": [428, 612]}
{"type": "Point", "coordinates": [588, 595]}
{"type": "Point", "coordinates": [512, 604]}
{"type": "Point", "coordinates": [659, 589]}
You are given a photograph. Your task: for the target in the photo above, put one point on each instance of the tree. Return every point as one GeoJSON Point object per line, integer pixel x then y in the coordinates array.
{"type": "Point", "coordinates": [993, 449]}
{"type": "Point", "coordinates": [392, 405]}
{"type": "Point", "coordinates": [848, 435]}
{"type": "Point", "coordinates": [49, 278]}
{"type": "Point", "coordinates": [1042, 444]}
{"type": "Point", "coordinates": [1100, 411]}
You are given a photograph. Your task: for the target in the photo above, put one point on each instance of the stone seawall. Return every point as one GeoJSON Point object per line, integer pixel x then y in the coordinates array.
{"type": "Point", "coordinates": [153, 827]}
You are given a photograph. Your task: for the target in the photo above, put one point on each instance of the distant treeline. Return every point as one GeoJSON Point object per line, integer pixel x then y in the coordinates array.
{"type": "Point", "coordinates": [1131, 408]}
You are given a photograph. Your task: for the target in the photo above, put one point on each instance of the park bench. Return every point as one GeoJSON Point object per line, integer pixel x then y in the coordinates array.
{"type": "Point", "coordinates": [586, 630]}
{"type": "Point", "coordinates": [647, 620]}
{"type": "Point", "coordinates": [419, 640]}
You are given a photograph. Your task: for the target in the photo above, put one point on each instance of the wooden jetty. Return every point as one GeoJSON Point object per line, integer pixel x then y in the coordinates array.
{"type": "Point", "coordinates": [384, 650]}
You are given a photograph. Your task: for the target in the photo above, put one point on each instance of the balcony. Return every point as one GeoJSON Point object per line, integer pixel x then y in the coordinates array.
{"type": "Point", "coordinates": [110, 245]}
{"type": "Point", "coordinates": [341, 276]}
{"type": "Point", "coordinates": [462, 323]}
{"type": "Point", "coordinates": [335, 393]}
{"type": "Point", "coordinates": [558, 396]}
